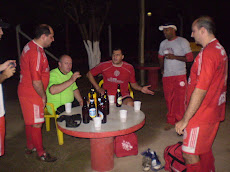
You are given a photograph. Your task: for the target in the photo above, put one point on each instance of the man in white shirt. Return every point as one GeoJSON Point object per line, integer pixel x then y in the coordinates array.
{"type": "Point", "coordinates": [173, 54]}
{"type": "Point", "coordinates": [7, 70]}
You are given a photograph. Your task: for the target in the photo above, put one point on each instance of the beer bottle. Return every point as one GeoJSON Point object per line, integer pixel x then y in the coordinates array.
{"type": "Point", "coordinates": [118, 96]}
{"type": "Point", "coordinates": [85, 111]}
{"type": "Point", "coordinates": [92, 92]}
{"type": "Point", "coordinates": [98, 102]}
{"type": "Point", "coordinates": [102, 112]}
{"type": "Point", "coordinates": [92, 108]}
{"type": "Point", "coordinates": [106, 102]}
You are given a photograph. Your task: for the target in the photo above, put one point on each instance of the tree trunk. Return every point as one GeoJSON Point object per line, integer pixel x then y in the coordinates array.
{"type": "Point", "coordinates": [93, 52]}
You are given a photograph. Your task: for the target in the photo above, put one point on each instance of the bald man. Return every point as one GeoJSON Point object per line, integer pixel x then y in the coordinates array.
{"type": "Point", "coordinates": [34, 79]}
{"type": "Point", "coordinates": [62, 87]}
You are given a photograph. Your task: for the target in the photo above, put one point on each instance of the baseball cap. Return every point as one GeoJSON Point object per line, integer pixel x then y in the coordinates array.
{"type": "Point", "coordinates": [3, 24]}
{"type": "Point", "coordinates": [167, 25]}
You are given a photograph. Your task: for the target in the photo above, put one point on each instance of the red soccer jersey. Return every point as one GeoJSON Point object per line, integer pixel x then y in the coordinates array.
{"type": "Point", "coordinates": [113, 76]}
{"type": "Point", "coordinates": [34, 66]}
{"type": "Point", "coordinates": [209, 72]}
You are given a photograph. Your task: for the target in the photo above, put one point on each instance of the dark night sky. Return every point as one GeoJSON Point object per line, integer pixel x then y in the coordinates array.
{"type": "Point", "coordinates": [124, 16]}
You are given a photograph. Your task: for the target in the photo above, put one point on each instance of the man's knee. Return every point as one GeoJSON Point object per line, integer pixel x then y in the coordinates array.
{"type": "Point", "coordinates": [191, 159]}
{"type": "Point", "coordinates": [128, 101]}
{"type": "Point", "coordinates": [37, 125]}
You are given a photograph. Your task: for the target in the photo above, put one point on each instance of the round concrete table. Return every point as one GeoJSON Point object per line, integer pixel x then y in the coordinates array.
{"type": "Point", "coordinates": [101, 141]}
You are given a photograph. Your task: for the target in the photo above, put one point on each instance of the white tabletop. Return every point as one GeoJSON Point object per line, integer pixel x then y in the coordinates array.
{"type": "Point", "coordinates": [113, 124]}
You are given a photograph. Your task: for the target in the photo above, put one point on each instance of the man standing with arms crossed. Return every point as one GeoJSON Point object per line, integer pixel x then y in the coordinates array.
{"type": "Point", "coordinates": [34, 79]}
{"type": "Point", "coordinates": [173, 54]}
{"type": "Point", "coordinates": [8, 69]}
{"type": "Point", "coordinates": [206, 98]}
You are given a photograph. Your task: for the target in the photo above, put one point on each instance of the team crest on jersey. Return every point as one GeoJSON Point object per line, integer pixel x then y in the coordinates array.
{"type": "Point", "coordinates": [182, 83]}
{"type": "Point", "coordinates": [116, 73]}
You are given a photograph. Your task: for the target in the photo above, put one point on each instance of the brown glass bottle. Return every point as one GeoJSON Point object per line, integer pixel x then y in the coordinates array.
{"type": "Point", "coordinates": [85, 111]}
{"type": "Point", "coordinates": [92, 108]}
{"type": "Point", "coordinates": [102, 111]}
{"type": "Point", "coordinates": [118, 96]}
{"type": "Point", "coordinates": [106, 103]}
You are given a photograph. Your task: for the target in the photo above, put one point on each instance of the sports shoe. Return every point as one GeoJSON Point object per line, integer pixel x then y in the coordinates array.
{"type": "Point", "coordinates": [146, 160]}
{"type": "Point", "coordinates": [30, 151]}
{"type": "Point", "coordinates": [146, 163]}
{"type": "Point", "coordinates": [156, 164]}
{"type": "Point", "coordinates": [47, 158]}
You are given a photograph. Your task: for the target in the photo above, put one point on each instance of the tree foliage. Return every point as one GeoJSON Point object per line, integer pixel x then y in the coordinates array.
{"type": "Point", "coordinates": [89, 15]}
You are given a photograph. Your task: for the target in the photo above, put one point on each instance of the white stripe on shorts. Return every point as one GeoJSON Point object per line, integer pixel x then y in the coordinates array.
{"type": "Point", "coordinates": [193, 135]}
{"type": "Point", "coordinates": [37, 117]}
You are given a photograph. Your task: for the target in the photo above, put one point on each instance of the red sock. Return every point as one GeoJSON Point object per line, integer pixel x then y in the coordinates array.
{"type": "Point", "coordinates": [29, 142]}
{"type": "Point", "coordinates": [194, 167]}
{"type": "Point", "coordinates": [37, 140]}
{"type": "Point", "coordinates": [207, 162]}
{"type": "Point", "coordinates": [2, 135]}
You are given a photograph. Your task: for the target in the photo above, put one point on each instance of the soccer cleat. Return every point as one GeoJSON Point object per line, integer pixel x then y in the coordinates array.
{"type": "Point", "coordinates": [47, 158]}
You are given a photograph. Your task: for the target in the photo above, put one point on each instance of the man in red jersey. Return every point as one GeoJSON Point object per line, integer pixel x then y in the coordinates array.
{"type": "Point", "coordinates": [34, 79]}
{"type": "Point", "coordinates": [206, 97]}
{"type": "Point", "coordinates": [7, 70]}
{"type": "Point", "coordinates": [115, 72]}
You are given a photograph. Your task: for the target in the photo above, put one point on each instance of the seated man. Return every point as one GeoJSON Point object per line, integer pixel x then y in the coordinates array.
{"type": "Point", "coordinates": [62, 87]}
{"type": "Point", "coordinates": [115, 72]}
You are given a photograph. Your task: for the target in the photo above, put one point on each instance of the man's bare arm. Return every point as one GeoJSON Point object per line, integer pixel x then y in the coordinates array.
{"type": "Point", "coordinates": [143, 89]}
{"type": "Point", "coordinates": [94, 83]}
{"type": "Point", "coordinates": [7, 73]}
{"type": "Point", "coordinates": [194, 104]}
{"type": "Point", "coordinates": [161, 62]}
{"type": "Point", "coordinates": [172, 56]}
{"type": "Point", "coordinates": [39, 88]}
{"type": "Point", "coordinates": [57, 88]}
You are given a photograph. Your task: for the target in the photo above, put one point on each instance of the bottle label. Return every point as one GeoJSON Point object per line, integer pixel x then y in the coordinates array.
{"type": "Point", "coordinates": [119, 100]}
{"type": "Point", "coordinates": [101, 114]}
{"type": "Point", "coordinates": [92, 112]}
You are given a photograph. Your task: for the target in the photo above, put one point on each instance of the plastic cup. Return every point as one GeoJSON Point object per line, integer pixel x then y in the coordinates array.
{"type": "Point", "coordinates": [123, 115]}
{"type": "Point", "coordinates": [137, 106]}
{"type": "Point", "coordinates": [68, 107]}
{"type": "Point", "coordinates": [111, 99]}
{"type": "Point", "coordinates": [97, 123]}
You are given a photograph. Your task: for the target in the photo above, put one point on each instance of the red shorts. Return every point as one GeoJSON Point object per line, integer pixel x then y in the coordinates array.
{"type": "Point", "coordinates": [198, 140]}
{"type": "Point", "coordinates": [2, 135]}
{"type": "Point", "coordinates": [32, 109]}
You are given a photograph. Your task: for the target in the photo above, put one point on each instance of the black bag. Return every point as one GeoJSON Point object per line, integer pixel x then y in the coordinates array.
{"type": "Point", "coordinates": [72, 121]}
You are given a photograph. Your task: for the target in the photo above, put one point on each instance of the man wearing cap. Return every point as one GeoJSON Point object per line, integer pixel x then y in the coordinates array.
{"type": "Point", "coordinates": [173, 54]}
{"type": "Point", "coordinates": [7, 69]}
{"type": "Point", "coordinates": [34, 79]}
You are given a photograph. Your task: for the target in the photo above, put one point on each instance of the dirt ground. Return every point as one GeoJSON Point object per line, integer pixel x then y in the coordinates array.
{"type": "Point", "coordinates": [74, 155]}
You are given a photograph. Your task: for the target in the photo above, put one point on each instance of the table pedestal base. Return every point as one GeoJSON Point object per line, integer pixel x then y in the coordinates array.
{"type": "Point", "coordinates": [102, 152]}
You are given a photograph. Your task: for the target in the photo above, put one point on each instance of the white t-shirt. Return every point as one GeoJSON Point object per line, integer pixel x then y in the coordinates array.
{"type": "Point", "coordinates": [2, 110]}
{"type": "Point", "coordinates": [179, 47]}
